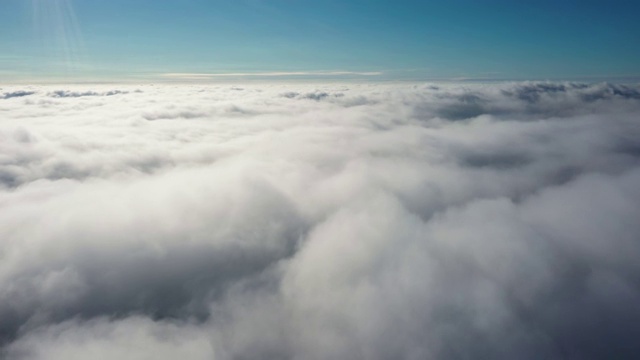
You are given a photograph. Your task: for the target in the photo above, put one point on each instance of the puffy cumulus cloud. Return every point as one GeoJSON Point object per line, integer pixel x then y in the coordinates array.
{"type": "Point", "coordinates": [349, 221]}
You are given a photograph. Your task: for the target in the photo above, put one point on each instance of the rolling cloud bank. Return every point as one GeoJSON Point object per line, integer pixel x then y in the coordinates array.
{"type": "Point", "coordinates": [353, 221]}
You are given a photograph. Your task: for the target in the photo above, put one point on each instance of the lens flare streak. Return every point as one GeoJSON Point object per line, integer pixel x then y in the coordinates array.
{"type": "Point", "coordinates": [58, 31]}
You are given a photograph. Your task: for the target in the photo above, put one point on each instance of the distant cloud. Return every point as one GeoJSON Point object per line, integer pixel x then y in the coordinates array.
{"type": "Point", "coordinates": [341, 221]}
{"type": "Point", "coordinates": [64, 93]}
{"type": "Point", "coordinates": [14, 94]}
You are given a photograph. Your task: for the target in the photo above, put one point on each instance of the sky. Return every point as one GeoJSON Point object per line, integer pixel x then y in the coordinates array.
{"type": "Point", "coordinates": [372, 39]}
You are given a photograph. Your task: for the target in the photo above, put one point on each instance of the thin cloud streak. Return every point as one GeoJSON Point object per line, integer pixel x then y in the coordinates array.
{"type": "Point", "coordinates": [269, 74]}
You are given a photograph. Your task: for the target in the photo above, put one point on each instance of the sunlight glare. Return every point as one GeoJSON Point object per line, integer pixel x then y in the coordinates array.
{"type": "Point", "coordinates": [57, 29]}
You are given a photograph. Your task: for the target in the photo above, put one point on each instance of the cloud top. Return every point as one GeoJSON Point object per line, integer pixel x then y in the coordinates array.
{"type": "Point", "coordinates": [349, 221]}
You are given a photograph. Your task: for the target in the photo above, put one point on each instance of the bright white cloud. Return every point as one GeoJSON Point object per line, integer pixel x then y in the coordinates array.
{"type": "Point", "coordinates": [355, 221]}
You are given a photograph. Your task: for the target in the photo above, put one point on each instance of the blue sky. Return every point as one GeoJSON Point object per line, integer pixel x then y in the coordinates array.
{"type": "Point", "coordinates": [454, 39]}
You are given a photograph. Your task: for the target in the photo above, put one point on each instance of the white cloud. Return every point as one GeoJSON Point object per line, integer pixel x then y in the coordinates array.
{"type": "Point", "coordinates": [133, 338]}
{"type": "Point", "coordinates": [358, 221]}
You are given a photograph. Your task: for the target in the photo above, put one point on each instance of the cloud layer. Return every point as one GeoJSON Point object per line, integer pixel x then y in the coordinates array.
{"type": "Point", "coordinates": [345, 221]}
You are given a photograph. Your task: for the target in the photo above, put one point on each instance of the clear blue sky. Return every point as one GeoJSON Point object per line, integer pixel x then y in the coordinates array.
{"type": "Point", "coordinates": [401, 39]}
